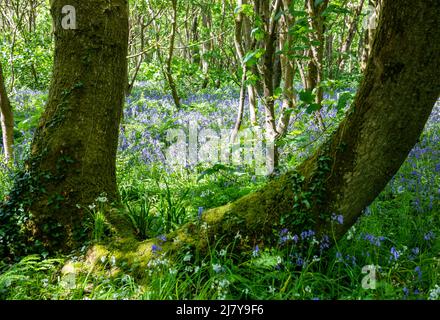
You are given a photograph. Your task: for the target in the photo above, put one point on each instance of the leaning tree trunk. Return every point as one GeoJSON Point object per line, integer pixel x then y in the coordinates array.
{"type": "Point", "coordinates": [7, 119]}
{"type": "Point", "coordinates": [73, 152]}
{"type": "Point", "coordinates": [394, 101]}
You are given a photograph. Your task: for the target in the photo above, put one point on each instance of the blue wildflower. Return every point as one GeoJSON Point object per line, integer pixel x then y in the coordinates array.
{"type": "Point", "coordinates": [419, 273]}
{"type": "Point", "coordinates": [395, 254]}
{"type": "Point", "coordinates": [200, 212]}
{"type": "Point", "coordinates": [339, 257]}
{"type": "Point", "coordinates": [162, 238]}
{"type": "Point", "coordinates": [256, 251]}
{"type": "Point", "coordinates": [155, 248]}
{"type": "Point", "coordinates": [338, 218]}
{"type": "Point", "coordinates": [377, 241]}
{"type": "Point", "coordinates": [429, 236]}
{"type": "Point", "coordinates": [405, 291]}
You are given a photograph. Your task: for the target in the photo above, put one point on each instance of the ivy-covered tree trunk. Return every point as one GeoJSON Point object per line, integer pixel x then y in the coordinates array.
{"type": "Point", "coordinates": [73, 153]}
{"type": "Point", "coordinates": [7, 119]}
{"type": "Point", "coordinates": [400, 87]}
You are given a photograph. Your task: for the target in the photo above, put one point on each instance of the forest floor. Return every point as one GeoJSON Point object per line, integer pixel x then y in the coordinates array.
{"type": "Point", "coordinates": [397, 240]}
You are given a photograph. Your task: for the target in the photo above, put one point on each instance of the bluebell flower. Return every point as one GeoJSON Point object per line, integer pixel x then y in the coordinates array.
{"type": "Point", "coordinates": [405, 291]}
{"type": "Point", "coordinates": [200, 212]}
{"type": "Point", "coordinates": [256, 251]}
{"type": "Point", "coordinates": [429, 236]}
{"type": "Point", "coordinates": [419, 273]}
{"type": "Point", "coordinates": [155, 248]}
{"type": "Point", "coordinates": [338, 218]}
{"type": "Point", "coordinates": [339, 256]}
{"type": "Point", "coordinates": [395, 254]}
{"type": "Point", "coordinates": [162, 238]}
{"type": "Point", "coordinates": [377, 241]}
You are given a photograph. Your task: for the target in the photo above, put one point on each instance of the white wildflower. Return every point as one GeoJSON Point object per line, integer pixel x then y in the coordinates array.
{"type": "Point", "coordinates": [434, 294]}
{"type": "Point", "coordinates": [187, 257]}
{"type": "Point", "coordinates": [217, 268]}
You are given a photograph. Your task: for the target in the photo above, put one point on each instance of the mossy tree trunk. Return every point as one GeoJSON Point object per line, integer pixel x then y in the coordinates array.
{"type": "Point", "coordinates": [400, 87]}
{"type": "Point", "coordinates": [7, 119]}
{"type": "Point", "coordinates": [73, 153]}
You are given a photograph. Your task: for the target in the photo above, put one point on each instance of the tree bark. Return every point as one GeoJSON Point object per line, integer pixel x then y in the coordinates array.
{"type": "Point", "coordinates": [73, 152]}
{"type": "Point", "coordinates": [400, 87]}
{"type": "Point", "coordinates": [206, 45]}
{"type": "Point", "coordinates": [350, 36]}
{"type": "Point", "coordinates": [238, 42]}
{"type": "Point", "coordinates": [168, 71]}
{"type": "Point", "coordinates": [288, 67]}
{"type": "Point", "coordinates": [7, 120]}
{"type": "Point", "coordinates": [316, 65]}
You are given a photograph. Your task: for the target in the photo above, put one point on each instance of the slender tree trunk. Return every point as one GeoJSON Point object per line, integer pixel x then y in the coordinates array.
{"type": "Point", "coordinates": [168, 71]}
{"type": "Point", "coordinates": [252, 96]}
{"type": "Point", "coordinates": [195, 52]}
{"type": "Point", "coordinates": [7, 120]}
{"type": "Point", "coordinates": [239, 120]}
{"type": "Point", "coordinates": [249, 45]}
{"type": "Point", "coordinates": [370, 31]}
{"type": "Point", "coordinates": [288, 67]}
{"type": "Point", "coordinates": [316, 64]}
{"type": "Point", "coordinates": [329, 56]}
{"type": "Point", "coordinates": [73, 153]}
{"type": "Point", "coordinates": [351, 33]}
{"type": "Point", "coordinates": [206, 45]}
{"type": "Point", "coordinates": [269, 16]}
{"type": "Point", "coordinates": [238, 41]}
{"type": "Point", "coordinates": [400, 87]}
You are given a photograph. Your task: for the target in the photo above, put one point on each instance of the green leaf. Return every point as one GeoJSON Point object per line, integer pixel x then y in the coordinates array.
{"type": "Point", "coordinates": [344, 98]}
{"type": "Point", "coordinates": [313, 108]}
{"type": "Point", "coordinates": [252, 57]}
{"type": "Point", "coordinates": [306, 96]}
{"type": "Point", "coordinates": [278, 92]}
{"type": "Point", "coordinates": [257, 33]}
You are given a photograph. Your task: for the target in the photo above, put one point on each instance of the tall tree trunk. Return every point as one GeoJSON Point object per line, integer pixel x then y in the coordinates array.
{"type": "Point", "coordinates": [400, 87]}
{"type": "Point", "coordinates": [7, 120]}
{"type": "Point", "coordinates": [252, 96]}
{"type": "Point", "coordinates": [288, 67]}
{"type": "Point", "coordinates": [269, 17]}
{"type": "Point", "coordinates": [350, 36]}
{"type": "Point", "coordinates": [73, 153]}
{"type": "Point", "coordinates": [168, 70]}
{"type": "Point", "coordinates": [370, 31]}
{"type": "Point", "coordinates": [249, 45]}
{"type": "Point", "coordinates": [316, 54]}
{"type": "Point", "coordinates": [195, 53]}
{"type": "Point", "coordinates": [238, 42]}
{"type": "Point", "coordinates": [206, 45]}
